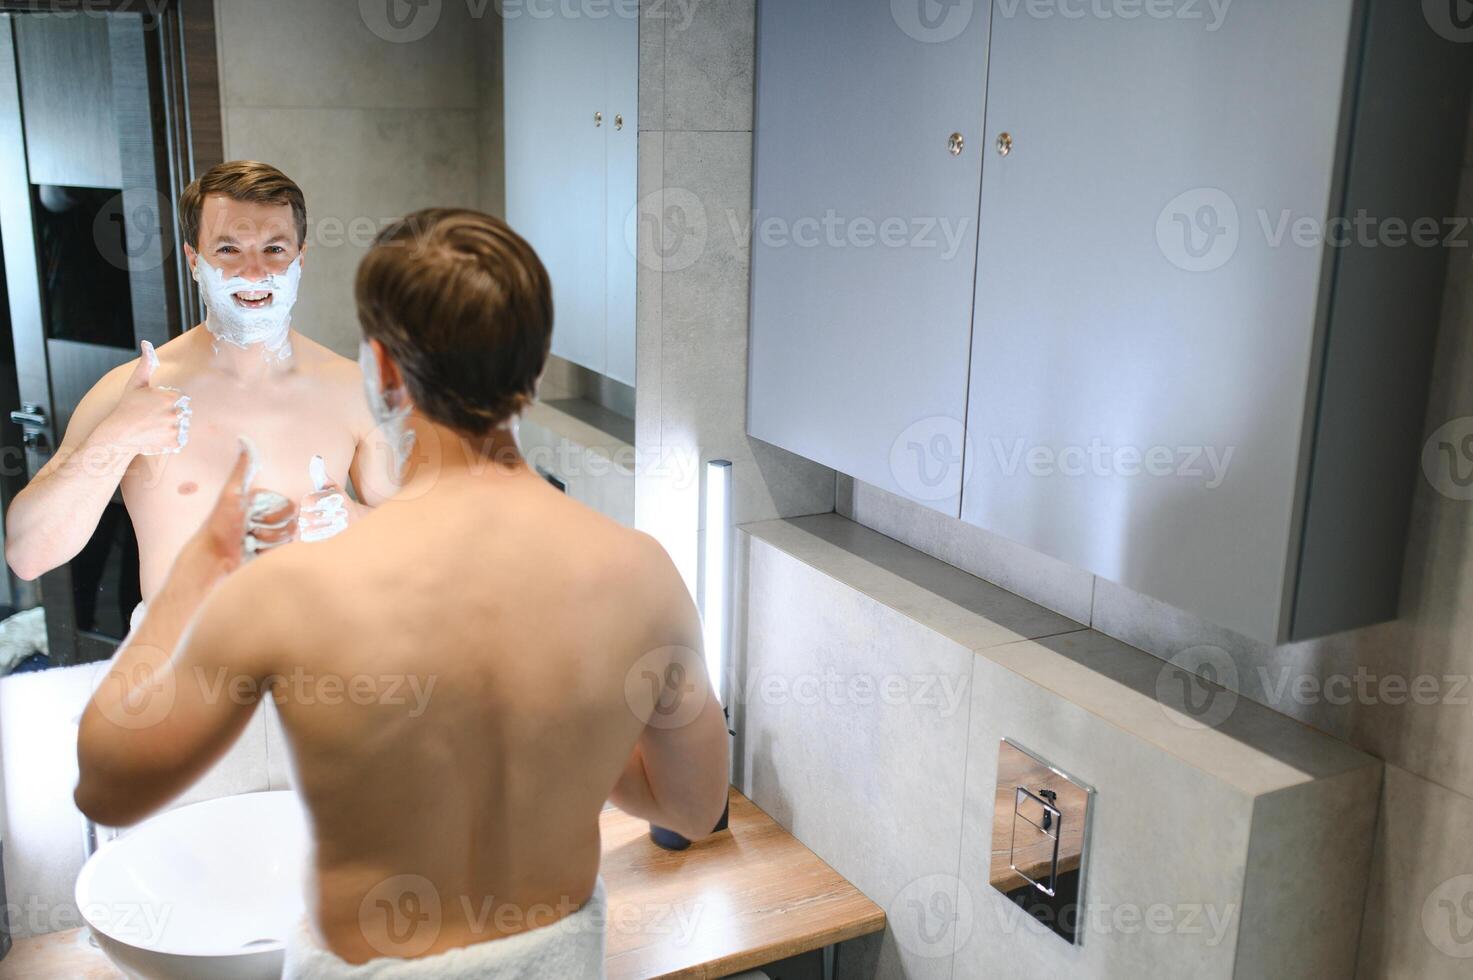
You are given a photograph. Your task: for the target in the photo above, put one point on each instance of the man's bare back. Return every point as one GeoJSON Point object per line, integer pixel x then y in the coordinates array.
{"type": "Point", "coordinates": [464, 677]}
{"type": "Point", "coordinates": [514, 644]}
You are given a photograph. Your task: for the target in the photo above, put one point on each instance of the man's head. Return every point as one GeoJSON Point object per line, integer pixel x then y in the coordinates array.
{"type": "Point", "coordinates": [245, 218]}
{"type": "Point", "coordinates": [458, 308]}
{"type": "Point", "coordinates": [245, 232]}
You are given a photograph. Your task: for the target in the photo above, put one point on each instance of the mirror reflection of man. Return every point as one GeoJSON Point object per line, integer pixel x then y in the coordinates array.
{"type": "Point", "coordinates": [165, 425]}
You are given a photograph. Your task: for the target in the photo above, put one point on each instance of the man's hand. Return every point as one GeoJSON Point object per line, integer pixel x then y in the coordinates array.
{"type": "Point", "coordinates": [149, 420]}
{"type": "Point", "coordinates": [325, 510]}
{"type": "Point", "coordinates": [244, 520]}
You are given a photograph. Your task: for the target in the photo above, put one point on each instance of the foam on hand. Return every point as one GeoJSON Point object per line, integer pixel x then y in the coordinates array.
{"type": "Point", "coordinates": [322, 516]}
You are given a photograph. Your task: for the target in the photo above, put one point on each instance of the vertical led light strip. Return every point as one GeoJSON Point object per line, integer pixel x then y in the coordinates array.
{"type": "Point", "coordinates": [716, 571]}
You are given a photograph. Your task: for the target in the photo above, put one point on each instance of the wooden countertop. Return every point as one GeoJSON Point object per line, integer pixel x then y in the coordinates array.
{"type": "Point", "coordinates": [729, 903]}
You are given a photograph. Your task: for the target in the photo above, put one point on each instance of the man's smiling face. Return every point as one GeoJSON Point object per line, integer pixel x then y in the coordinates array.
{"type": "Point", "coordinates": [247, 240]}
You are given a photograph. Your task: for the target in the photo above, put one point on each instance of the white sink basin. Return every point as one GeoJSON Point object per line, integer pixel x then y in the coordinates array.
{"type": "Point", "coordinates": [209, 891]}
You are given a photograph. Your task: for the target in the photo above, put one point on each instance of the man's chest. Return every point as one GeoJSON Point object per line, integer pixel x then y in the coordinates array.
{"type": "Point", "coordinates": [287, 429]}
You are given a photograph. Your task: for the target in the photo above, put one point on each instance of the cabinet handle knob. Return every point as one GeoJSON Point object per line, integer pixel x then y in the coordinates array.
{"type": "Point", "coordinates": [956, 144]}
{"type": "Point", "coordinates": [598, 119]}
{"type": "Point", "coordinates": [619, 121]}
{"type": "Point", "coordinates": [1004, 144]}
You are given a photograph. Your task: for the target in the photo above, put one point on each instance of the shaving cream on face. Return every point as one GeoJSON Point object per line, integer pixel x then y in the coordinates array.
{"type": "Point", "coordinates": [393, 421]}
{"type": "Point", "coordinates": [243, 326]}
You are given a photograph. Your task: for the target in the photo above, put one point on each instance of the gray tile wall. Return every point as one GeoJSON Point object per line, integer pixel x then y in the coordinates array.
{"type": "Point", "coordinates": [876, 684]}
{"type": "Point", "coordinates": [694, 215]}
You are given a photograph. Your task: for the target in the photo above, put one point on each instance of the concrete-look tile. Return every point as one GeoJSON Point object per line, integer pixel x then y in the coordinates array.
{"type": "Point", "coordinates": [1047, 581]}
{"type": "Point", "coordinates": [852, 724]}
{"type": "Point", "coordinates": [1237, 741]}
{"type": "Point", "coordinates": [1308, 861]}
{"type": "Point", "coordinates": [709, 54]}
{"type": "Point", "coordinates": [708, 178]}
{"type": "Point", "coordinates": [1419, 914]}
{"type": "Point", "coordinates": [1294, 679]}
{"type": "Point", "coordinates": [964, 609]}
{"type": "Point", "coordinates": [1164, 868]}
{"type": "Point", "coordinates": [491, 89]}
{"type": "Point", "coordinates": [773, 482]}
{"type": "Point", "coordinates": [359, 169]}
{"type": "Point", "coordinates": [652, 20]}
{"type": "Point", "coordinates": [844, 500]}
{"type": "Point", "coordinates": [596, 468]}
{"type": "Point", "coordinates": [326, 53]}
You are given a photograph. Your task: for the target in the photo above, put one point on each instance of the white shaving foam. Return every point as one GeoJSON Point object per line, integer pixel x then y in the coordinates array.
{"type": "Point", "coordinates": [239, 326]}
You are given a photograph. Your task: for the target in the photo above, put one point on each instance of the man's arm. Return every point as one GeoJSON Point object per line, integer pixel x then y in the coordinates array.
{"type": "Point", "coordinates": [678, 775]}
{"type": "Point", "coordinates": [186, 681]}
{"type": "Point", "coordinates": [372, 470]}
{"type": "Point", "coordinates": [51, 520]}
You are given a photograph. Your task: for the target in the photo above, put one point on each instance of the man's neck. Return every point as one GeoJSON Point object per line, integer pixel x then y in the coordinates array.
{"type": "Point", "coordinates": [441, 453]}
{"type": "Point", "coordinates": [245, 364]}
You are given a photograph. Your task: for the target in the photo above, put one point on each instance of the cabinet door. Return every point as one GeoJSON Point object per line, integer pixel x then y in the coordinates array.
{"type": "Point", "coordinates": [1145, 335]}
{"type": "Point", "coordinates": [864, 236]}
{"type": "Point", "coordinates": [555, 163]}
{"type": "Point", "coordinates": [621, 71]}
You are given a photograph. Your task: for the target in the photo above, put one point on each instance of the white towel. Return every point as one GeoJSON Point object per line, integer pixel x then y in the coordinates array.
{"type": "Point", "coordinates": [572, 948]}
{"type": "Point", "coordinates": [20, 636]}
{"type": "Point", "coordinates": [137, 617]}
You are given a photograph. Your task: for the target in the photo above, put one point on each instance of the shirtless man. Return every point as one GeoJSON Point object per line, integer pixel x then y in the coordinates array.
{"type": "Point", "coordinates": [464, 676]}
{"type": "Point", "coordinates": [166, 423]}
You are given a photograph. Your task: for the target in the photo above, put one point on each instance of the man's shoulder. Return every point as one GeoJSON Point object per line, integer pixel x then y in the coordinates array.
{"type": "Point", "coordinates": [316, 356]}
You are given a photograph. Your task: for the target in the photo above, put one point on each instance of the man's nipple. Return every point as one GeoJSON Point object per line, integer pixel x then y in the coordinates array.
{"type": "Point", "coordinates": [188, 487]}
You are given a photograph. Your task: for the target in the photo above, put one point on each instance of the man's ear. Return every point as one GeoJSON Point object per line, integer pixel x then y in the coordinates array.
{"type": "Point", "coordinates": [190, 256]}
{"type": "Point", "coordinates": [390, 379]}
{"type": "Point", "coordinates": [302, 255]}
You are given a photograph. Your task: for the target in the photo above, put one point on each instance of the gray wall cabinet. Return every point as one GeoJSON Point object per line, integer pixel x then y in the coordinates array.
{"type": "Point", "coordinates": [571, 124]}
{"type": "Point", "coordinates": [864, 240]}
{"type": "Point", "coordinates": [1187, 367]}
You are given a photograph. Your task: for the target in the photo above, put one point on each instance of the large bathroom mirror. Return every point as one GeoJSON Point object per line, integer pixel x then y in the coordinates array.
{"type": "Point", "coordinates": [109, 110]}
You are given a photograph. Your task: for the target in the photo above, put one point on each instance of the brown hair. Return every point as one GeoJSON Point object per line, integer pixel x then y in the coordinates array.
{"type": "Point", "coordinates": [464, 307]}
{"type": "Point", "coordinates": [241, 180]}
